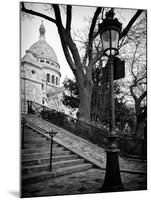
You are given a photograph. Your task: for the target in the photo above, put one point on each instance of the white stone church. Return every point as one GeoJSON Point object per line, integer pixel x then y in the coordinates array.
{"type": "Point", "coordinates": [40, 75]}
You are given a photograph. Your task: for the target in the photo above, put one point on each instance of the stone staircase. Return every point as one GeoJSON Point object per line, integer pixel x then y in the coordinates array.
{"type": "Point", "coordinates": [35, 158]}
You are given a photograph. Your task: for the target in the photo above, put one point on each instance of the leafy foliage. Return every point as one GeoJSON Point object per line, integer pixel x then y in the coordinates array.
{"type": "Point", "coordinates": [71, 97]}
{"type": "Point", "coordinates": [100, 106]}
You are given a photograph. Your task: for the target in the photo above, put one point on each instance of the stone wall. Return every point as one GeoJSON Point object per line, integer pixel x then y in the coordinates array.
{"type": "Point", "coordinates": [31, 84]}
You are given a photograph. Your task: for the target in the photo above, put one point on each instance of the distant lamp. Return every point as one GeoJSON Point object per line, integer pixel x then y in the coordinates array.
{"type": "Point", "coordinates": [110, 30]}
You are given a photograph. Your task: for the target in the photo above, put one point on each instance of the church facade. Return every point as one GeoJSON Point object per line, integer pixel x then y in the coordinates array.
{"type": "Point", "coordinates": [40, 74]}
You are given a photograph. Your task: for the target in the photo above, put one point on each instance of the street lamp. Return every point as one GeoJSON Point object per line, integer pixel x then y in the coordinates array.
{"type": "Point", "coordinates": [110, 30]}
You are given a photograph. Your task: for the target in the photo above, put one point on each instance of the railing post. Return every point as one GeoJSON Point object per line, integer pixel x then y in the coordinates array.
{"type": "Point", "coordinates": [23, 122]}
{"type": "Point", "coordinates": [30, 110]}
{"type": "Point", "coordinates": [28, 106]}
{"type": "Point", "coordinates": [51, 134]}
{"type": "Point", "coordinates": [43, 112]}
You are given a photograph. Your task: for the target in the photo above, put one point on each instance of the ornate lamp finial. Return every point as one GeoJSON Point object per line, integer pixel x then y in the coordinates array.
{"type": "Point", "coordinates": [42, 30]}
{"type": "Point", "coordinates": [110, 14]}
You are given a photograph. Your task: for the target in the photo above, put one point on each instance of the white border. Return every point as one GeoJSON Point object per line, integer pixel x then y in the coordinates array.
{"type": "Point", "coordinates": [9, 101]}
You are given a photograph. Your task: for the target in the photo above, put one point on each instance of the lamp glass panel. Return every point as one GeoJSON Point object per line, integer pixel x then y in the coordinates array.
{"type": "Point", "coordinates": [114, 38]}
{"type": "Point", "coordinates": [106, 40]}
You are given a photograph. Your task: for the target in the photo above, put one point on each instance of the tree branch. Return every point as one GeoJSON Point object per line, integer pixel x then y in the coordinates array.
{"type": "Point", "coordinates": [133, 61]}
{"type": "Point", "coordinates": [68, 56]}
{"type": "Point", "coordinates": [132, 93]}
{"type": "Point", "coordinates": [32, 12]}
{"type": "Point", "coordinates": [58, 16]}
{"type": "Point", "coordinates": [84, 61]}
{"type": "Point", "coordinates": [66, 39]}
{"type": "Point", "coordinates": [96, 14]}
{"type": "Point", "coordinates": [69, 18]}
{"type": "Point", "coordinates": [142, 96]}
{"type": "Point", "coordinates": [94, 19]}
{"type": "Point", "coordinates": [131, 22]}
{"type": "Point", "coordinates": [125, 31]}
{"type": "Point", "coordinates": [63, 38]}
{"type": "Point", "coordinates": [140, 79]}
{"type": "Point", "coordinates": [96, 58]}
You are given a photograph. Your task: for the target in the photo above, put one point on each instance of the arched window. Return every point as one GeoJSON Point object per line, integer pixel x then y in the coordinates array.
{"type": "Point", "coordinates": [53, 79]}
{"type": "Point", "coordinates": [56, 80]}
{"type": "Point", "coordinates": [47, 61]}
{"type": "Point", "coordinates": [33, 72]}
{"type": "Point", "coordinates": [48, 77]}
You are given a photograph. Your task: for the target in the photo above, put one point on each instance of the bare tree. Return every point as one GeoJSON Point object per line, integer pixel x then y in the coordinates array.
{"type": "Point", "coordinates": [134, 53]}
{"type": "Point", "coordinates": [138, 89]}
{"type": "Point", "coordinates": [80, 66]}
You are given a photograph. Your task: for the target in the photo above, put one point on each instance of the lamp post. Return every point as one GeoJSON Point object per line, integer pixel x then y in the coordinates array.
{"type": "Point", "coordinates": [51, 134]}
{"type": "Point", "coordinates": [23, 122]}
{"type": "Point", "coordinates": [109, 31]}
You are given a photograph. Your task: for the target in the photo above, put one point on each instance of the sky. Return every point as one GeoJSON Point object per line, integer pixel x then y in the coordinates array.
{"type": "Point", "coordinates": [30, 31]}
{"type": "Point", "coordinates": [30, 34]}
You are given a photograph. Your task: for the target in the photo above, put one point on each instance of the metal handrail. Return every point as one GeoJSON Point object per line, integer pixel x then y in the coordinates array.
{"type": "Point", "coordinates": [80, 128]}
{"type": "Point", "coordinates": [51, 133]}
{"type": "Point", "coordinates": [88, 131]}
{"type": "Point", "coordinates": [68, 116]}
{"type": "Point", "coordinates": [122, 136]}
{"type": "Point", "coordinates": [23, 122]}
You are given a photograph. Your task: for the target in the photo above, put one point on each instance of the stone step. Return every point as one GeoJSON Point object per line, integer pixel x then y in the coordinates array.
{"type": "Point", "coordinates": [41, 145]}
{"type": "Point", "coordinates": [41, 150]}
{"type": "Point", "coordinates": [45, 160]}
{"type": "Point", "coordinates": [45, 154]}
{"type": "Point", "coordinates": [55, 165]}
{"type": "Point", "coordinates": [37, 140]}
{"type": "Point", "coordinates": [72, 169]}
{"type": "Point", "coordinates": [34, 141]}
{"type": "Point", "coordinates": [36, 177]}
{"type": "Point", "coordinates": [34, 138]}
{"type": "Point", "coordinates": [30, 131]}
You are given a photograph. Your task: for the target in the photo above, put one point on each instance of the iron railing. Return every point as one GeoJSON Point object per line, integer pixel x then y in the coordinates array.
{"type": "Point", "coordinates": [51, 133]}
{"type": "Point", "coordinates": [96, 135]}
{"type": "Point", "coordinates": [85, 130]}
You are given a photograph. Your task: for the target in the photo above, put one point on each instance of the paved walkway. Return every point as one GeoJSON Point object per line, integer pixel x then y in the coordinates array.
{"type": "Point", "coordinates": [86, 182]}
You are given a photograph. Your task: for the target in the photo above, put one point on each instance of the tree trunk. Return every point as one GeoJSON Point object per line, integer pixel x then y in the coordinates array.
{"type": "Point", "coordinates": [139, 130]}
{"type": "Point", "coordinates": [140, 120]}
{"type": "Point", "coordinates": [85, 104]}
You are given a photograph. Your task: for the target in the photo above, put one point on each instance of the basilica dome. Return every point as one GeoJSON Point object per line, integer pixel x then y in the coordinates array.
{"type": "Point", "coordinates": [41, 49]}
